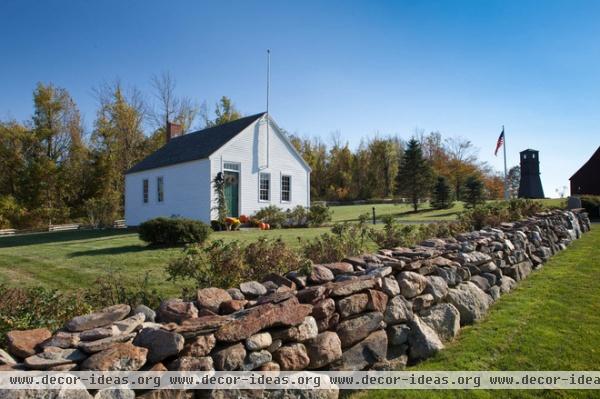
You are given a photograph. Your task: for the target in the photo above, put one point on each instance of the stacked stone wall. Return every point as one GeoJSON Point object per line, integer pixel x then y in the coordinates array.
{"type": "Point", "coordinates": [376, 311]}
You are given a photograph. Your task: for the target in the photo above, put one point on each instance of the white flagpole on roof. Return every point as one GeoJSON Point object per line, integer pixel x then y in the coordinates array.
{"type": "Point", "coordinates": [268, 89]}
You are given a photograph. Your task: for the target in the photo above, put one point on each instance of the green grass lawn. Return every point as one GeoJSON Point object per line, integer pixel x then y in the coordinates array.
{"type": "Point", "coordinates": [74, 259]}
{"type": "Point", "coordinates": [403, 212]}
{"type": "Point", "coordinates": [550, 322]}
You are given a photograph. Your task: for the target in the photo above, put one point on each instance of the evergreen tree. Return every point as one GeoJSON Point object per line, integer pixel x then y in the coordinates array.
{"type": "Point", "coordinates": [441, 196]}
{"type": "Point", "coordinates": [474, 193]}
{"type": "Point", "coordinates": [415, 176]}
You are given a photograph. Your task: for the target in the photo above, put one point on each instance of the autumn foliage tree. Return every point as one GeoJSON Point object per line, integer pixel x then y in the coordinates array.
{"type": "Point", "coordinates": [53, 172]}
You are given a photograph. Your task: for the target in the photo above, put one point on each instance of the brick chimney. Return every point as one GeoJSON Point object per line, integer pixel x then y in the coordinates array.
{"type": "Point", "coordinates": [173, 130]}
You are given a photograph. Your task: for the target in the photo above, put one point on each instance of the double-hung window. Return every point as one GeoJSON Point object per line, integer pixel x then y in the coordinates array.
{"type": "Point", "coordinates": [160, 190]}
{"type": "Point", "coordinates": [145, 190]}
{"type": "Point", "coordinates": [286, 188]}
{"type": "Point", "coordinates": [264, 186]}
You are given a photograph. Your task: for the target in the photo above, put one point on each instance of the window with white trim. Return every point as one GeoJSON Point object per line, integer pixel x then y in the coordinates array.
{"type": "Point", "coordinates": [264, 186]}
{"type": "Point", "coordinates": [160, 191]}
{"type": "Point", "coordinates": [145, 190]}
{"type": "Point", "coordinates": [231, 166]}
{"type": "Point", "coordinates": [286, 188]}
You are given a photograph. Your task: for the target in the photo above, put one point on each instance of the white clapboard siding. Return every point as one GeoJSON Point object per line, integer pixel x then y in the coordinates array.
{"type": "Point", "coordinates": [187, 189]}
{"type": "Point", "coordinates": [279, 159]}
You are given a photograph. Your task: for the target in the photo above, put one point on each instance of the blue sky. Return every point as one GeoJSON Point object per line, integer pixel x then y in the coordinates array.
{"type": "Point", "coordinates": [362, 68]}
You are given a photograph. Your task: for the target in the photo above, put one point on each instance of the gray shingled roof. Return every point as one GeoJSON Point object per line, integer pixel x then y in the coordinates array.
{"type": "Point", "coordinates": [194, 146]}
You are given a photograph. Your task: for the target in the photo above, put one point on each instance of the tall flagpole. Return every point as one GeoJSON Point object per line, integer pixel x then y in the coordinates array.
{"type": "Point", "coordinates": [268, 76]}
{"type": "Point", "coordinates": [268, 89]}
{"type": "Point", "coordinates": [505, 171]}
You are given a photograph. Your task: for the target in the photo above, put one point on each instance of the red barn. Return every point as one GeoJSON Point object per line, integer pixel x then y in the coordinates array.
{"type": "Point", "coordinates": [586, 181]}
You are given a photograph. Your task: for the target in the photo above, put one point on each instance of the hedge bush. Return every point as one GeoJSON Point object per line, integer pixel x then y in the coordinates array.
{"type": "Point", "coordinates": [494, 213]}
{"type": "Point", "coordinates": [591, 203]}
{"type": "Point", "coordinates": [272, 214]}
{"type": "Point", "coordinates": [23, 308]}
{"type": "Point", "coordinates": [345, 239]}
{"type": "Point", "coordinates": [319, 214]}
{"type": "Point", "coordinates": [226, 264]}
{"type": "Point", "coordinates": [299, 216]}
{"type": "Point", "coordinates": [173, 231]}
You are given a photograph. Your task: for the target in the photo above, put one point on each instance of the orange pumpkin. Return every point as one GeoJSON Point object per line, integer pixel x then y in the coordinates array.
{"type": "Point", "coordinates": [262, 226]}
{"type": "Point", "coordinates": [267, 226]}
{"type": "Point", "coordinates": [244, 219]}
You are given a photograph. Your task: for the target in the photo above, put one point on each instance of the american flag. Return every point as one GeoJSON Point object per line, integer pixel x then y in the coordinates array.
{"type": "Point", "coordinates": [500, 142]}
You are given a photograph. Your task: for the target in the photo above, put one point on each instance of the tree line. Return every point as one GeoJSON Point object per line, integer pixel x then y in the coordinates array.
{"type": "Point", "coordinates": [390, 167]}
{"type": "Point", "coordinates": [54, 172]}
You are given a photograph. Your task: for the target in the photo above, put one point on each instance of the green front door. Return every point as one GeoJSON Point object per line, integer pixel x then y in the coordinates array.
{"type": "Point", "coordinates": [232, 193]}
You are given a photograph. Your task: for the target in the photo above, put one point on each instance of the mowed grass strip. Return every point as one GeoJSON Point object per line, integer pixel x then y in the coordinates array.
{"type": "Point", "coordinates": [75, 259]}
{"type": "Point", "coordinates": [402, 212]}
{"type": "Point", "coordinates": [405, 213]}
{"type": "Point", "coordinates": [550, 322]}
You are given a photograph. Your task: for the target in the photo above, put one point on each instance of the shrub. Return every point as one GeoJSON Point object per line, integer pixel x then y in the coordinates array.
{"type": "Point", "coordinates": [112, 289]}
{"type": "Point", "coordinates": [484, 215]}
{"type": "Point", "coordinates": [441, 230]}
{"type": "Point", "coordinates": [25, 308]}
{"type": "Point", "coordinates": [520, 208]}
{"type": "Point", "coordinates": [591, 203]}
{"type": "Point", "coordinates": [492, 214]}
{"type": "Point", "coordinates": [219, 264]}
{"type": "Point", "coordinates": [217, 226]}
{"type": "Point", "coordinates": [103, 211]}
{"type": "Point", "coordinates": [272, 214]}
{"type": "Point", "coordinates": [319, 214]}
{"type": "Point", "coordinates": [225, 265]}
{"type": "Point", "coordinates": [266, 256]}
{"type": "Point", "coordinates": [345, 239]}
{"type": "Point", "coordinates": [36, 307]}
{"type": "Point", "coordinates": [297, 217]}
{"type": "Point", "coordinates": [394, 234]}
{"type": "Point", "coordinates": [173, 231]}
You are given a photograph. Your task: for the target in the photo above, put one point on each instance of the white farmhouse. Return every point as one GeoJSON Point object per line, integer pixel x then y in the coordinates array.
{"type": "Point", "coordinates": [261, 167]}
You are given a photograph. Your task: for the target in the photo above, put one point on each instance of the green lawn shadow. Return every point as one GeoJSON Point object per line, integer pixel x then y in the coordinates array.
{"type": "Point", "coordinates": [59, 236]}
{"type": "Point", "coordinates": [125, 249]}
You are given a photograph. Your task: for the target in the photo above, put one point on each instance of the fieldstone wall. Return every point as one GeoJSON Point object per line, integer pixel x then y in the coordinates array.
{"type": "Point", "coordinates": [377, 311]}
